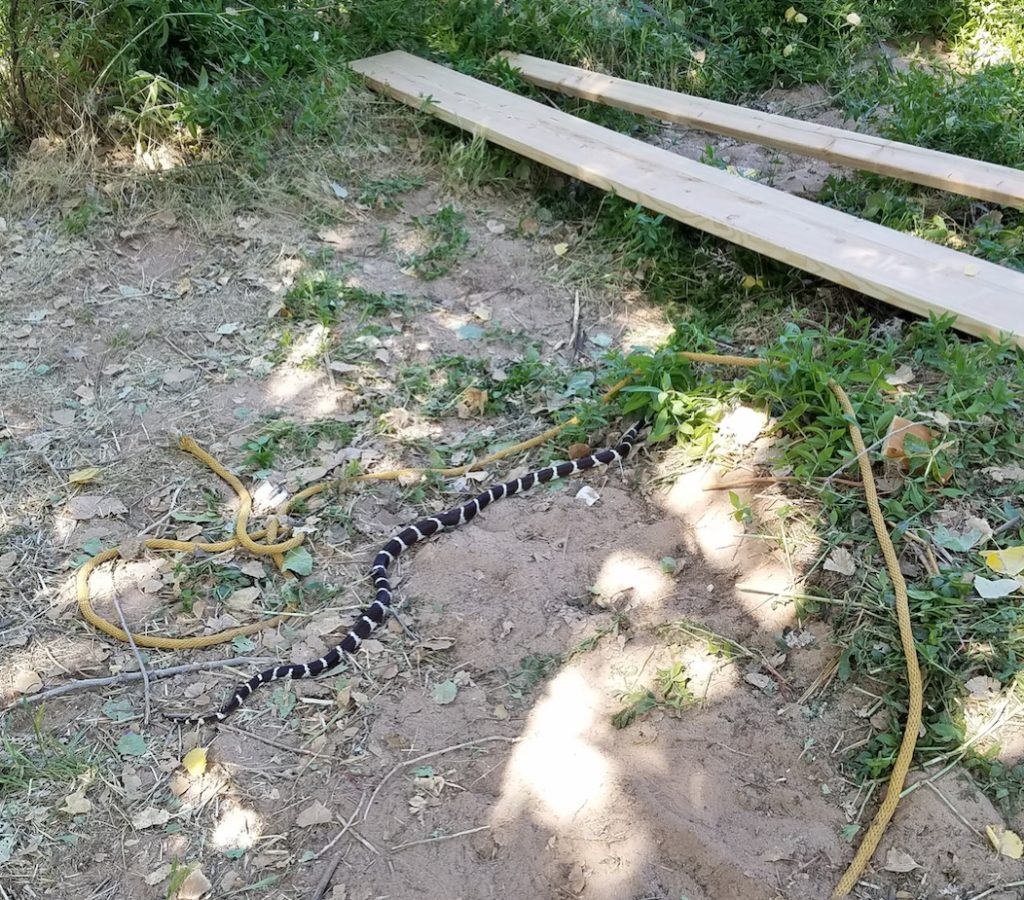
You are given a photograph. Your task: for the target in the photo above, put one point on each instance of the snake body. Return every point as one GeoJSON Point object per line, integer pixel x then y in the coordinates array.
{"type": "Point", "coordinates": [372, 616]}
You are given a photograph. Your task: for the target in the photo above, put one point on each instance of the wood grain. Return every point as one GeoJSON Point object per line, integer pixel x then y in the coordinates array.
{"type": "Point", "coordinates": [908, 272]}
{"type": "Point", "coordinates": [970, 177]}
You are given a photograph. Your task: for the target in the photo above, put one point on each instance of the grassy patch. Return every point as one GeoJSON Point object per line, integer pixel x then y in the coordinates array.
{"type": "Point", "coordinates": [968, 394]}
{"type": "Point", "coordinates": [383, 193]}
{"type": "Point", "coordinates": [445, 237]}
{"type": "Point", "coordinates": [321, 295]}
{"type": "Point", "coordinates": [295, 439]}
{"type": "Point", "coordinates": [43, 760]}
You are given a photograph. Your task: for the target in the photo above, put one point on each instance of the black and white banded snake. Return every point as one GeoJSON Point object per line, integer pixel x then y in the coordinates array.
{"type": "Point", "coordinates": [374, 615]}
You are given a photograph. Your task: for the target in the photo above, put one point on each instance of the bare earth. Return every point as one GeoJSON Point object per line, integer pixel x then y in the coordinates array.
{"type": "Point", "coordinates": [122, 339]}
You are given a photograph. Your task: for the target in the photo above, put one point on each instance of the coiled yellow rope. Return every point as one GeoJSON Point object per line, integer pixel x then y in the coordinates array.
{"type": "Point", "coordinates": [276, 550]}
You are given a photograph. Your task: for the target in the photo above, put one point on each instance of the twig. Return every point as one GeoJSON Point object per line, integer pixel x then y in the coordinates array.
{"type": "Point", "coordinates": [188, 356]}
{"type": "Point", "coordinates": [425, 756]}
{"type": "Point", "coordinates": [998, 887]}
{"type": "Point", "coordinates": [330, 372]}
{"type": "Point", "coordinates": [166, 516]}
{"type": "Point", "coordinates": [331, 867]}
{"type": "Point", "coordinates": [440, 837]}
{"type": "Point", "coordinates": [138, 658]}
{"type": "Point", "coordinates": [1008, 524]}
{"type": "Point", "coordinates": [867, 450]}
{"type": "Point", "coordinates": [270, 742]}
{"type": "Point", "coordinates": [86, 684]}
{"type": "Point", "coordinates": [574, 333]}
{"type": "Point", "coordinates": [778, 479]}
{"type": "Point", "coordinates": [954, 810]}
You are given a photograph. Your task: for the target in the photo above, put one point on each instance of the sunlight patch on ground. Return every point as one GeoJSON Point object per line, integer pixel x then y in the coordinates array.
{"type": "Point", "coordinates": [291, 384]}
{"type": "Point", "coordinates": [709, 514]}
{"type": "Point", "coordinates": [554, 771]}
{"type": "Point", "coordinates": [624, 571]}
{"type": "Point", "coordinates": [766, 591]}
{"type": "Point", "coordinates": [559, 778]}
{"type": "Point", "coordinates": [237, 829]}
{"type": "Point", "coordinates": [743, 424]}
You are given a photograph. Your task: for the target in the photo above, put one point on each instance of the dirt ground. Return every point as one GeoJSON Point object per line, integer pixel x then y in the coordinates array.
{"type": "Point", "coordinates": [460, 760]}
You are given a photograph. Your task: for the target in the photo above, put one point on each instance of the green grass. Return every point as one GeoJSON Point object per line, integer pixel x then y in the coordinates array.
{"type": "Point", "coordinates": [294, 439]}
{"type": "Point", "coordinates": [446, 238]}
{"type": "Point", "coordinates": [969, 392]}
{"type": "Point", "coordinates": [42, 760]}
{"type": "Point", "coordinates": [321, 295]}
{"type": "Point", "coordinates": [383, 193]}
{"type": "Point", "coordinates": [147, 71]}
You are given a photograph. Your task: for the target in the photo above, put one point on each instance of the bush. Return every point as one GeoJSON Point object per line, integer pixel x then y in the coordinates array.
{"type": "Point", "coordinates": [159, 67]}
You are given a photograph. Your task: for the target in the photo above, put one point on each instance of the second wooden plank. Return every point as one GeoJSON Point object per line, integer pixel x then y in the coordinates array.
{"type": "Point", "coordinates": [970, 177]}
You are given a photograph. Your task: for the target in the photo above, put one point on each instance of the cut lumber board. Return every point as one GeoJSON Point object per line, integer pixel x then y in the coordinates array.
{"type": "Point", "coordinates": [957, 174]}
{"type": "Point", "coordinates": [908, 272]}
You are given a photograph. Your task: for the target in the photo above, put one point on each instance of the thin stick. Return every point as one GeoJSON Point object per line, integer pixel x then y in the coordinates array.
{"type": "Point", "coordinates": [270, 742]}
{"type": "Point", "coordinates": [998, 887]}
{"type": "Point", "coordinates": [441, 837]}
{"type": "Point", "coordinates": [138, 658]}
{"type": "Point", "coordinates": [867, 450]}
{"type": "Point", "coordinates": [425, 756]}
{"type": "Point", "coordinates": [86, 684]}
{"type": "Point", "coordinates": [331, 867]}
{"type": "Point", "coordinates": [779, 479]}
{"type": "Point", "coordinates": [955, 811]}
{"type": "Point", "coordinates": [574, 333]}
{"type": "Point", "coordinates": [165, 517]}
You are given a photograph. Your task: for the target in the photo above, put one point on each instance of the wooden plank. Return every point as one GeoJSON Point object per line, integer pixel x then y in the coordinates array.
{"type": "Point", "coordinates": [908, 272]}
{"type": "Point", "coordinates": [971, 177]}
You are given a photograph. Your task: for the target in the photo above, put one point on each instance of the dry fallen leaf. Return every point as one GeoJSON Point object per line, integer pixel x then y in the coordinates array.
{"type": "Point", "coordinates": [588, 495]}
{"type": "Point", "coordinates": [149, 817]}
{"type": "Point", "coordinates": [77, 803]}
{"type": "Point", "coordinates": [242, 599]}
{"type": "Point", "coordinates": [314, 814]}
{"type": "Point", "coordinates": [1006, 562]}
{"type": "Point", "coordinates": [899, 428]}
{"type": "Point", "coordinates": [7, 561]}
{"type": "Point", "coordinates": [472, 403]}
{"type": "Point", "coordinates": [194, 886]}
{"type": "Point", "coordinates": [1006, 842]}
{"type": "Point", "coordinates": [577, 879]}
{"type": "Point", "coordinates": [982, 686]}
{"type": "Point", "coordinates": [195, 761]}
{"type": "Point", "coordinates": [841, 560]}
{"type": "Point", "coordinates": [27, 682]}
{"type": "Point", "coordinates": [178, 376]}
{"type": "Point", "coordinates": [158, 875]}
{"type": "Point", "coordinates": [898, 861]}
{"type": "Point", "coordinates": [578, 451]}
{"type": "Point", "coordinates": [92, 506]}
{"type": "Point", "coordinates": [903, 375]}
{"type": "Point", "coordinates": [1005, 473]}
{"type": "Point", "coordinates": [994, 590]}
{"type": "Point", "coordinates": [253, 568]}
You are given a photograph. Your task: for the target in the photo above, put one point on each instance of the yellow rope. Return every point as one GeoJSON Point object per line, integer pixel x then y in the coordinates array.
{"type": "Point", "coordinates": [243, 538]}
{"type": "Point", "coordinates": [913, 724]}
{"type": "Point", "coordinates": [276, 550]}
